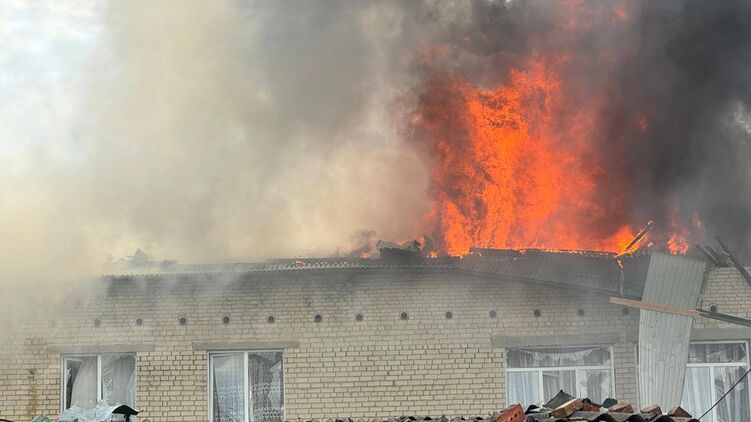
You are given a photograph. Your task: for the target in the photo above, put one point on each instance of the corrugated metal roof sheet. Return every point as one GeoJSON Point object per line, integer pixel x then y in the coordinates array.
{"type": "Point", "coordinates": [173, 268]}
{"type": "Point", "coordinates": [663, 338]}
{"type": "Point", "coordinates": [590, 270]}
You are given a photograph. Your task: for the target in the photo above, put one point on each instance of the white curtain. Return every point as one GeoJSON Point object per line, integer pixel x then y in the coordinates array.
{"type": "Point", "coordinates": [523, 387]}
{"type": "Point", "coordinates": [82, 381]}
{"type": "Point", "coordinates": [735, 405]}
{"type": "Point", "coordinates": [228, 386]}
{"type": "Point", "coordinates": [119, 379]}
{"type": "Point", "coordinates": [554, 381]}
{"type": "Point", "coordinates": [697, 392]}
{"type": "Point", "coordinates": [267, 387]}
{"type": "Point", "coordinates": [595, 384]}
{"type": "Point", "coordinates": [559, 356]}
{"type": "Point", "coordinates": [717, 353]}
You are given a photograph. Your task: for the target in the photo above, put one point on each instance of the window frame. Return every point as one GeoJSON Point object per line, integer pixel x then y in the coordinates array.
{"type": "Point", "coordinates": [246, 380]}
{"type": "Point", "coordinates": [100, 393]}
{"type": "Point", "coordinates": [711, 366]}
{"type": "Point", "coordinates": [541, 369]}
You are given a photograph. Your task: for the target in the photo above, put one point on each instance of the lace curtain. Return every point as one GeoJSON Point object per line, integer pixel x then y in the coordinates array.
{"type": "Point", "coordinates": [560, 356]}
{"type": "Point", "coordinates": [228, 387]}
{"type": "Point", "coordinates": [544, 366]}
{"type": "Point", "coordinates": [267, 386]}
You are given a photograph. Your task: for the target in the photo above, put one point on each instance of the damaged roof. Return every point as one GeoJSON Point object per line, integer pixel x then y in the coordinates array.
{"type": "Point", "coordinates": [596, 271]}
{"type": "Point", "coordinates": [585, 269]}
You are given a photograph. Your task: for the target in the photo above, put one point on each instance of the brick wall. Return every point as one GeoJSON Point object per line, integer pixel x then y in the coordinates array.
{"type": "Point", "coordinates": [381, 366]}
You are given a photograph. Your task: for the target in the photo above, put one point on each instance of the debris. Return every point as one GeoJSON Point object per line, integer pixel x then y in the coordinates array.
{"type": "Point", "coordinates": [722, 259]}
{"type": "Point", "coordinates": [406, 252]}
{"type": "Point", "coordinates": [101, 412]}
{"type": "Point", "coordinates": [734, 260]}
{"type": "Point", "coordinates": [622, 408]}
{"type": "Point", "coordinates": [650, 224]}
{"type": "Point", "coordinates": [711, 257]}
{"type": "Point", "coordinates": [567, 409]}
{"type": "Point", "coordinates": [559, 399]}
{"type": "Point", "coordinates": [679, 411]}
{"type": "Point", "coordinates": [510, 414]}
{"type": "Point", "coordinates": [653, 409]}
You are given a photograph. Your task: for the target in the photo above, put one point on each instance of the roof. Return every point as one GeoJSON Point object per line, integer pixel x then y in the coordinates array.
{"type": "Point", "coordinates": [594, 271]}
{"type": "Point", "coordinates": [156, 268]}
{"type": "Point", "coordinates": [585, 269]}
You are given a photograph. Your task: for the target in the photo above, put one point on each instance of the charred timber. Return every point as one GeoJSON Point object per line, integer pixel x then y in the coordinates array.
{"type": "Point", "coordinates": [734, 260]}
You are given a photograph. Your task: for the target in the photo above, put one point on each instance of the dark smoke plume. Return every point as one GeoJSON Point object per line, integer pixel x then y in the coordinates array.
{"type": "Point", "coordinates": [674, 127]}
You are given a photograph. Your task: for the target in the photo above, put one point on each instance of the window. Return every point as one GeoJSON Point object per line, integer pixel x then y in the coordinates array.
{"type": "Point", "coordinates": [535, 375]}
{"type": "Point", "coordinates": [246, 387]}
{"type": "Point", "coordinates": [711, 370]}
{"type": "Point", "coordinates": [90, 378]}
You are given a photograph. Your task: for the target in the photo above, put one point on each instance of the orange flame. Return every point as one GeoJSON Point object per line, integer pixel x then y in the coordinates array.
{"type": "Point", "coordinates": [515, 166]}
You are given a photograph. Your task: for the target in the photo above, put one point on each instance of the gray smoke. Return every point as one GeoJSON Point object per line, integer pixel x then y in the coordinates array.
{"type": "Point", "coordinates": [232, 130]}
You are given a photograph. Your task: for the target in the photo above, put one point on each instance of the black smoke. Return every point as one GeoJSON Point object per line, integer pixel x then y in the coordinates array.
{"type": "Point", "coordinates": [674, 131]}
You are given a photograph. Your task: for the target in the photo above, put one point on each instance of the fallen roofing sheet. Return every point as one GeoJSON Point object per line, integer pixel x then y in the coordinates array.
{"type": "Point", "coordinates": [672, 280]}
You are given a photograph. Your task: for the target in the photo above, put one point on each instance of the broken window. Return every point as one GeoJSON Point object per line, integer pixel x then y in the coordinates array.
{"type": "Point", "coordinates": [535, 375]}
{"type": "Point", "coordinates": [246, 386]}
{"type": "Point", "coordinates": [88, 379]}
{"type": "Point", "coordinates": [712, 369]}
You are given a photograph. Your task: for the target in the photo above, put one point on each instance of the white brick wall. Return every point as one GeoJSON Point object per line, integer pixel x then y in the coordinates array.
{"type": "Point", "coordinates": [381, 366]}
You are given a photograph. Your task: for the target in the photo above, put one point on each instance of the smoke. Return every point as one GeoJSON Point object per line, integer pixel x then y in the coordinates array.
{"type": "Point", "coordinates": [666, 86]}
{"type": "Point", "coordinates": [231, 130]}
{"type": "Point", "coordinates": [210, 131]}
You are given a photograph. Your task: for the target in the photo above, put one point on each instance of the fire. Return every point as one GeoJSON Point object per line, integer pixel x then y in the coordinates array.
{"type": "Point", "coordinates": [507, 171]}
{"type": "Point", "coordinates": [516, 166]}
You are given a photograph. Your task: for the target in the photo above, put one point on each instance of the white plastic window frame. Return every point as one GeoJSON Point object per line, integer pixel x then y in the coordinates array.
{"type": "Point", "coordinates": [99, 394]}
{"type": "Point", "coordinates": [712, 366]}
{"type": "Point", "coordinates": [541, 369]}
{"type": "Point", "coordinates": [246, 380]}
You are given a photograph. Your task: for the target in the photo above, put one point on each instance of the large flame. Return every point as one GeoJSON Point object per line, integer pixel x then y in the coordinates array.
{"type": "Point", "coordinates": [516, 166]}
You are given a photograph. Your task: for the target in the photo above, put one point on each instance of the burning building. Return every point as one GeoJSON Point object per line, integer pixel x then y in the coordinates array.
{"type": "Point", "coordinates": [366, 338]}
{"type": "Point", "coordinates": [517, 135]}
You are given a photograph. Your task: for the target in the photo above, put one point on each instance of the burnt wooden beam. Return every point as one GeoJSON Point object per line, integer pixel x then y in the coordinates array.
{"type": "Point", "coordinates": [639, 236]}
{"type": "Point", "coordinates": [721, 258]}
{"type": "Point", "coordinates": [734, 260]}
{"type": "Point", "coordinates": [708, 255]}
